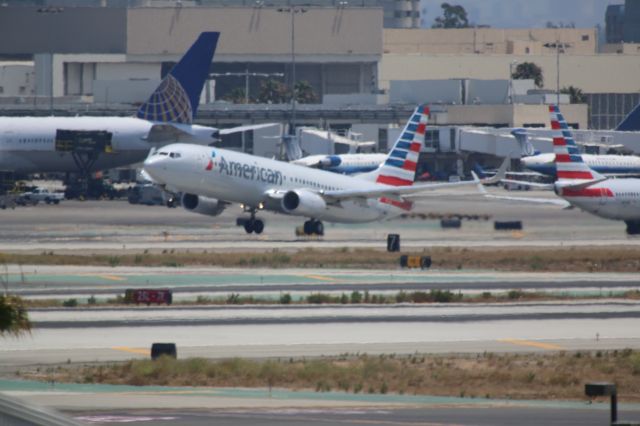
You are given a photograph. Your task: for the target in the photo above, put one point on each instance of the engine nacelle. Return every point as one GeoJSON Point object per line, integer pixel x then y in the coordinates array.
{"type": "Point", "coordinates": [203, 205]}
{"type": "Point", "coordinates": [329, 161]}
{"type": "Point", "coordinates": [303, 203]}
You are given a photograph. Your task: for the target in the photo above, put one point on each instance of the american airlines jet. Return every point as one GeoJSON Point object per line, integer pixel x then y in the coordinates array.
{"type": "Point", "coordinates": [212, 178]}
{"type": "Point", "coordinates": [45, 144]}
{"type": "Point", "coordinates": [583, 187]}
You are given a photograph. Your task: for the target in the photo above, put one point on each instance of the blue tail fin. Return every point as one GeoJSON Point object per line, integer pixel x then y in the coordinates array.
{"type": "Point", "coordinates": [176, 99]}
{"type": "Point", "coordinates": [631, 123]}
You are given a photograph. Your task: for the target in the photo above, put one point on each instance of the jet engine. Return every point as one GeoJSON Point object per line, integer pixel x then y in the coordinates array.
{"type": "Point", "coordinates": [303, 203]}
{"type": "Point", "coordinates": [329, 161]}
{"type": "Point", "coordinates": [203, 205]}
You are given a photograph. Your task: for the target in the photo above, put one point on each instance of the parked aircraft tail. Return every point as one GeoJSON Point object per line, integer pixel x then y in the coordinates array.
{"type": "Point", "coordinates": [631, 123]}
{"type": "Point", "coordinates": [526, 148]}
{"type": "Point", "coordinates": [569, 164]}
{"type": "Point", "coordinates": [399, 169]}
{"type": "Point", "coordinates": [177, 97]}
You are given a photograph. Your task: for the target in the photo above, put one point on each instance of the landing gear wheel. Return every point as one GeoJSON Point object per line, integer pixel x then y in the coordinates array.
{"type": "Point", "coordinates": [258, 226]}
{"type": "Point", "coordinates": [248, 226]}
{"type": "Point", "coordinates": [318, 228]}
{"type": "Point", "coordinates": [308, 227]}
{"type": "Point", "coordinates": [633, 227]}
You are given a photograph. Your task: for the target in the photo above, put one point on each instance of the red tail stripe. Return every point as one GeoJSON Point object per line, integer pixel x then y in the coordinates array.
{"type": "Point", "coordinates": [555, 125]}
{"type": "Point", "coordinates": [409, 165]}
{"type": "Point", "coordinates": [563, 158]}
{"type": "Point", "coordinates": [566, 174]}
{"type": "Point", "coordinates": [559, 142]}
{"type": "Point", "coordinates": [394, 181]}
{"type": "Point", "coordinates": [421, 128]}
{"type": "Point", "coordinates": [415, 147]}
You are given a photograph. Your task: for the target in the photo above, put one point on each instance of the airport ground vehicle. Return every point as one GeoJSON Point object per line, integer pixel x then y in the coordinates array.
{"type": "Point", "coordinates": [40, 195]}
{"type": "Point", "coordinates": [148, 296]}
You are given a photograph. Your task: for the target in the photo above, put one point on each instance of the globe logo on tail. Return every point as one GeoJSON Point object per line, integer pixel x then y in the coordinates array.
{"type": "Point", "coordinates": [169, 103]}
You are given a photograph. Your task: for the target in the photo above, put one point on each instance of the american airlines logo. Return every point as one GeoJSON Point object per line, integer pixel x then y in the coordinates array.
{"type": "Point", "coordinates": [250, 172]}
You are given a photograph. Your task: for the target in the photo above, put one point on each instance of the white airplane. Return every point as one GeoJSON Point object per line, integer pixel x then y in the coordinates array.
{"type": "Point", "coordinates": [343, 163]}
{"type": "Point", "coordinates": [85, 144]}
{"type": "Point", "coordinates": [212, 178]}
{"type": "Point", "coordinates": [583, 187]}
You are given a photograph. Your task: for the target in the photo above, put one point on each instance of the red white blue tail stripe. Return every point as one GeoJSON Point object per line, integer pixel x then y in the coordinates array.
{"type": "Point", "coordinates": [569, 164]}
{"type": "Point", "coordinates": [399, 169]}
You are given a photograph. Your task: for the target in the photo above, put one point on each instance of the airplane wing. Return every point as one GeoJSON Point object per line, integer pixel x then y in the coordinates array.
{"type": "Point", "coordinates": [553, 201]}
{"type": "Point", "coordinates": [410, 192]}
{"type": "Point", "coordinates": [166, 133]}
{"type": "Point", "coordinates": [239, 129]}
{"type": "Point", "coordinates": [547, 186]}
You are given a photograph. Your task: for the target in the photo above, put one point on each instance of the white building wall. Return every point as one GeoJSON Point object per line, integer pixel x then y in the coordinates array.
{"type": "Point", "coordinates": [584, 72]}
{"type": "Point", "coordinates": [17, 79]}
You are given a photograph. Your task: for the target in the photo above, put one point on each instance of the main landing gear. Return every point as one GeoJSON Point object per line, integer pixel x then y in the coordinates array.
{"type": "Point", "coordinates": [313, 227]}
{"type": "Point", "coordinates": [252, 224]}
{"type": "Point", "coordinates": [633, 227]}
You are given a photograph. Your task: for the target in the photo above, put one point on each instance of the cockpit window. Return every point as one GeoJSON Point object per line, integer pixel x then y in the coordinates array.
{"type": "Point", "coordinates": [163, 153]}
{"type": "Point", "coordinates": [175, 155]}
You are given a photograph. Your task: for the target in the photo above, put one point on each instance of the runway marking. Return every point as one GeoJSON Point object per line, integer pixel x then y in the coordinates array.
{"type": "Point", "coordinates": [112, 277]}
{"type": "Point", "coordinates": [140, 351]}
{"type": "Point", "coordinates": [520, 342]}
{"type": "Point", "coordinates": [320, 277]}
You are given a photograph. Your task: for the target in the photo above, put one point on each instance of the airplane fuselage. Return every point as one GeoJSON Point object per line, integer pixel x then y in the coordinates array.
{"type": "Point", "coordinates": [254, 181]}
{"type": "Point", "coordinates": [345, 163]}
{"type": "Point", "coordinates": [617, 199]}
{"type": "Point", "coordinates": [28, 144]}
{"type": "Point", "coordinates": [604, 164]}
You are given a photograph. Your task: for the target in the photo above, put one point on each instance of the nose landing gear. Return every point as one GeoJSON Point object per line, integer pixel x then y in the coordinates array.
{"type": "Point", "coordinates": [252, 224]}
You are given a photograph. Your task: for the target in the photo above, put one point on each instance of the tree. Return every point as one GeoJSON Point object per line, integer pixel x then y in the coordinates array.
{"type": "Point", "coordinates": [575, 94]}
{"type": "Point", "coordinates": [454, 16]}
{"type": "Point", "coordinates": [305, 93]}
{"type": "Point", "coordinates": [14, 319]}
{"type": "Point", "coordinates": [273, 92]}
{"type": "Point", "coordinates": [236, 96]}
{"type": "Point", "coordinates": [529, 70]}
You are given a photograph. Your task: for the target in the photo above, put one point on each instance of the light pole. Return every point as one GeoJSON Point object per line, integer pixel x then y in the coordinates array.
{"type": "Point", "coordinates": [511, 65]}
{"type": "Point", "coordinates": [292, 11]}
{"type": "Point", "coordinates": [50, 10]}
{"type": "Point", "coordinates": [557, 45]}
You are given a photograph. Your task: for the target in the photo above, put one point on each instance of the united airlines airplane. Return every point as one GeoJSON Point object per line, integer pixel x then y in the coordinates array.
{"type": "Point", "coordinates": [211, 178]}
{"type": "Point", "coordinates": [45, 144]}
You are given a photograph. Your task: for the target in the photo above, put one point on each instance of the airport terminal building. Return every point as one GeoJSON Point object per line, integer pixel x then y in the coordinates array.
{"type": "Point", "coordinates": [366, 69]}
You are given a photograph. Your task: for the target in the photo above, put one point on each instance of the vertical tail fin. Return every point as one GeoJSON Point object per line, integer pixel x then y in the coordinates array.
{"type": "Point", "coordinates": [177, 97]}
{"type": "Point", "coordinates": [631, 123]}
{"type": "Point", "coordinates": [569, 164]}
{"type": "Point", "coordinates": [522, 136]}
{"type": "Point", "coordinates": [399, 169]}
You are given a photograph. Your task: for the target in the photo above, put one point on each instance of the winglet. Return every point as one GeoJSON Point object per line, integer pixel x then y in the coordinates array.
{"type": "Point", "coordinates": [500, 174]}
{"type": "Point", "coordinates": [479, 185]}
{"type": "Point", "coordinates": [177, 97]}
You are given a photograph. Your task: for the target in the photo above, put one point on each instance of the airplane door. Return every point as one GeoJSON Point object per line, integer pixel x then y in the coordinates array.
{"type": "Point", "coordinates": [603, 196]}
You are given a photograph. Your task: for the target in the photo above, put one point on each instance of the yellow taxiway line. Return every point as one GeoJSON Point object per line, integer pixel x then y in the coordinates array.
{"type": "Point", "coordinates": [319, 277]}
{"type": "Point", "coordinates": [140, 351]}
{"type": "Point", "coordinates": [540, 345]}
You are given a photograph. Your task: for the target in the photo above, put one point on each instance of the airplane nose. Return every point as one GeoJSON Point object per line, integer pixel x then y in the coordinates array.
{"type": "Point", "coordinates": [154, 167]}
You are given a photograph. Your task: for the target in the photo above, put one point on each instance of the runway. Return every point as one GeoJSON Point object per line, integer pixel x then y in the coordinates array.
{"type": "Point", "coordinates": [259, 332]}
{"type": "Point", "coordinates": [116, 226]}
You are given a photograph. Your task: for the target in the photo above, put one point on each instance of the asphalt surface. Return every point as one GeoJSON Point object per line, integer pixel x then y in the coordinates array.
{"type": "Point", "coordinates": [114, 226]}
{"type": "Point", "coordinates": [106, 335]}
{"type": "Point", "coordinates": [432, 416]}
